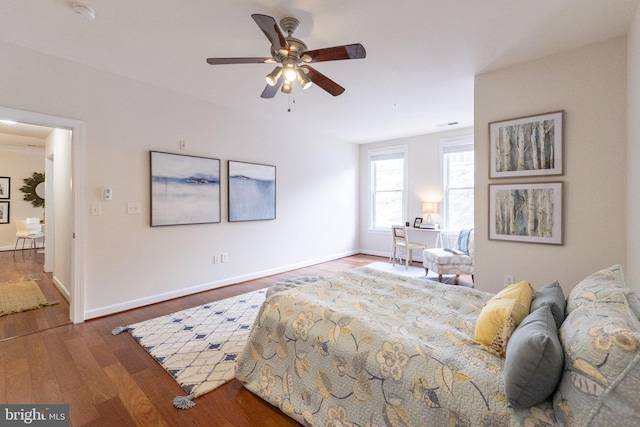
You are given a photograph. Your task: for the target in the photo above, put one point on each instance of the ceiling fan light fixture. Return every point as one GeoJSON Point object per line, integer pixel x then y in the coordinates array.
{"type": "Point", "coordinates": [286, 87]}
{"type": "Point", "coordinates": [272, 77]}
{"type": "Point", "coordinates": [290, 73]}
{"type": "Point", "coordinates": [305, 81]}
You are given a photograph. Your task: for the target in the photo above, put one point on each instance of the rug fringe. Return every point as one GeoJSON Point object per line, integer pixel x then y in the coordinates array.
{"type": "Point", "coordinates": [119, 329]}
{"type": "Point", "coordinates": [184, 402]}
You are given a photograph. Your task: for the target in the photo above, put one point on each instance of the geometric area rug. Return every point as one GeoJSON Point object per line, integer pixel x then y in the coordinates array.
{"type": "Point", "coordinates": [198, 346]}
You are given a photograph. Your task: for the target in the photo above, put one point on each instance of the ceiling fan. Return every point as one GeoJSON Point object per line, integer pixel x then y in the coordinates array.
{"type": "Point", "coordinates": [292, 57]}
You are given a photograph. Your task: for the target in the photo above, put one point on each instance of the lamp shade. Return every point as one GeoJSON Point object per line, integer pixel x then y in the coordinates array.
{"type": "Point", "coordinates": [429, 207]}
{"type": "Point", "coordinates": [272, 77]}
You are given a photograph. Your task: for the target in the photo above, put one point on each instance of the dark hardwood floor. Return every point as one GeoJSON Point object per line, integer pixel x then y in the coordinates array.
{"type": "Point", "coordinates": [111, 381]}
{"type": "Point", "coordinates": [29, 265]}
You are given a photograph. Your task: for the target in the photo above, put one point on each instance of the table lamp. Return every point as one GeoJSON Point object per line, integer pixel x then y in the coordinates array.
{"type": "Point", "coordinates": [429, 208]}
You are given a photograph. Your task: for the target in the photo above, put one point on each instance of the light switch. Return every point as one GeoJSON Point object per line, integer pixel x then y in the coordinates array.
{"type": "Point", "coordinates": [96, 209]}
{"type": "Point", "coordinates": [133, 208]}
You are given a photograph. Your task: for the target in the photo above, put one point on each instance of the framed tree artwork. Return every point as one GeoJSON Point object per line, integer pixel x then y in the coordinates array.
{"type": "Point", "coordinates": [526, 212]}
{"type": "Point", "coordinates": [527, 146]}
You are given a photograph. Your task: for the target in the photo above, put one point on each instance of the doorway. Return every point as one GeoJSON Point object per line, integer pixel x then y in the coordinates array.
{"type": "Point", "coordinates": [68, 228]}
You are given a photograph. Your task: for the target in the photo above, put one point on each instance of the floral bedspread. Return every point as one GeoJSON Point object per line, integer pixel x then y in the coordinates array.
{"type": "Point", "coordinates": [368, 348]}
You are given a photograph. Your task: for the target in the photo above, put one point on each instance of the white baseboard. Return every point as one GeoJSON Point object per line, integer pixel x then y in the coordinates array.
{"type": "Point", "coordinates": [153, 299]}
{"type": "Point", "coordinates": [63, 289]}
{"type": "Point", "coordinates": [388, 255]}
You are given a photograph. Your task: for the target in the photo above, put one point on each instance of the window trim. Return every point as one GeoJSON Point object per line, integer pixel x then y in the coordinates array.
{"type": "Point", "coordinates": [373, 152]}
{"type": "Point", "coordinates": [451, 145]}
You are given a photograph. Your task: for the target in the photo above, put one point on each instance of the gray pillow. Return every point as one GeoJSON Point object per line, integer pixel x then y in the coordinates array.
{"type": "Point", "coordinates": [534, 360]}
{"type": "Point", "coordinates": [552, 296]}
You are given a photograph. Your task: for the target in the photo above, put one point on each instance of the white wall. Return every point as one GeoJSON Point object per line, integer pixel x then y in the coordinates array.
{"type": "Point", "coordinates": [589, 84]}
{"type": "Point", "coordinates": [424, 185]}
{"type": "Point", "coordinates": [59, 228]}
{"type": "Point", "coordinates": [128, 263]}
{"type": "Point", "coordinates": [18, 163]}
{"type": "Point", "coordinates": [632, 270]}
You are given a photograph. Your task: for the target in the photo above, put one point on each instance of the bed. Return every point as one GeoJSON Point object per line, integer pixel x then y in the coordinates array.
{"type": "Point", "coordinates": [369, 348]}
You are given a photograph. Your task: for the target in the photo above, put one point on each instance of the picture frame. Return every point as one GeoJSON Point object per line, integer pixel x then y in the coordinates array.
{"type": "Point", "coordinates": [5, 188]}
{"type": "Point", "coordinates": [5, 217]}
{"type": "Point", "coordinates": [530, 212]}
{"type": "Point", "coordinates": [527, 146]}
{"type": "Point", "coordinates": [184, 189]}
{"type": "Point", "coordinates": [417, 222]}
{"type": "Point", "coordinates": [252, 191]}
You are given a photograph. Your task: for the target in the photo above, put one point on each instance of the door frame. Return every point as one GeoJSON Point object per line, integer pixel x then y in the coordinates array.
{"type": "Point", "coordinates": [77, 128]}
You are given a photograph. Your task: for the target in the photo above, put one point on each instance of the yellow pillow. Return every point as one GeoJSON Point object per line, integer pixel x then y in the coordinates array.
{"type": "Point", "coordinates": [501, 315]}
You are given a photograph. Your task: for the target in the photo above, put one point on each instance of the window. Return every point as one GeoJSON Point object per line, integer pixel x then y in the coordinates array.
{"type": "Point", "coordinates": [387, 182]}
{"type": "Point", "coordinates": [457, 182]}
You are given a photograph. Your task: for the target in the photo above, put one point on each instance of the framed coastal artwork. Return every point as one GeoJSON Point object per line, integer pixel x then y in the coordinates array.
{"type": "Point", "coordinates": [5, 188]}
{"type": "Point", "coordinates": [252, 191]}
{"type": "Point", "coordinates": [527, 146]}
{"type": "Point", "coordinates": [526, 212]}
{"type": "Point", "coordinates": [184, 189]}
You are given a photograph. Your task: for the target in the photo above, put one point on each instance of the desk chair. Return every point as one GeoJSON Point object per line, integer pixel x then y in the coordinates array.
{"type": "Point", "coordinates": [401, 240]}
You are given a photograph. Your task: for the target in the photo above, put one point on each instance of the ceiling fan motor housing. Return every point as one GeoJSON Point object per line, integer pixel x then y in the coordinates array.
{"type": "Point", "coordinates": [289, 24]}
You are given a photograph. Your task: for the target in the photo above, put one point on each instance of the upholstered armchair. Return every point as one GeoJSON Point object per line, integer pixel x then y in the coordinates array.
{"type": "Point", "coordinates": [451, 261]}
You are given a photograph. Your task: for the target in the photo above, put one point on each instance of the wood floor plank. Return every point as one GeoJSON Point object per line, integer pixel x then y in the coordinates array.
{"type": "Point", "coordinates": [134, 399]}
{"type": "Point", "coordinates": [3, 376]}
{"type": "Point", "coordinates": [82, 408]}
{"type": "Point", "coordinates": [112, 413]}
{"type": "Point", "coordinates": [17, 380]}
{"type": "Point", "coordinates": [43, 377]}
{"type": "Point", "coordinates": [92, 374]}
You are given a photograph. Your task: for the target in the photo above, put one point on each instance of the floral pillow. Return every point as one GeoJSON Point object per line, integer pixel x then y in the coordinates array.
{"type": "Point", "coordinates": [601, 377]}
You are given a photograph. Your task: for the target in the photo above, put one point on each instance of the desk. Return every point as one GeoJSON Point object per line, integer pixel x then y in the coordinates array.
{"type": "Point", "coordinates": [438, 231]}
{"type": "Point", "coordinates": [419, 235]}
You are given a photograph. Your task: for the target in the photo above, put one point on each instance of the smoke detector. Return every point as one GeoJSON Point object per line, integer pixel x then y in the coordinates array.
{"type": "Point", "coordinates": [85, 11]}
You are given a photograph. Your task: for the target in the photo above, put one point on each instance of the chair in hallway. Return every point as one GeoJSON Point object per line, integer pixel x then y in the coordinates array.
{"type": "Point", "coordinates": [401, 240]}
{"type": "Point", "coordinates": [28, 229]}
{"type": "Point", "coordinates": [451, 261]}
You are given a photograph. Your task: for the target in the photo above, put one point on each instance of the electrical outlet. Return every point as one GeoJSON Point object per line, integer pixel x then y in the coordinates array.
{"type": "Point", "coordinates": [225, 257]}
{"type": "Point", "coordinates": [183, 145]}
{"type": "Point", "coordinates": [216, 259]}
{"type": "Point", "coordinates": [508, 279]}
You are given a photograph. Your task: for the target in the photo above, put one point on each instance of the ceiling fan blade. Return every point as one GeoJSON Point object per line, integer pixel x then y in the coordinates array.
{"type": "Point", "coordinates": [323, 81]}
{"type": "Point", "coordinates": [270, 29]}
{"type": "Point", "coordinates": [224, 61]}
{"type": "Point", "coordinates": [270, 91]}
{"type": "Point", "coordinates": [349, 51]}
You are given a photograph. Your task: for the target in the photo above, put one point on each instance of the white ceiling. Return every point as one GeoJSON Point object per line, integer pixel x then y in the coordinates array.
{"type": "Point", "coordinates": [422, 55]}
{"type": "Point", "coordinates": [23, 135]}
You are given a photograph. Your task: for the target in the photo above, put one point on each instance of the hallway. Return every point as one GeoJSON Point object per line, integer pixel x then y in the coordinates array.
{"type": "Point", "coordinates": [23, 266]}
